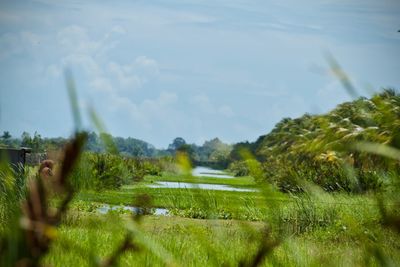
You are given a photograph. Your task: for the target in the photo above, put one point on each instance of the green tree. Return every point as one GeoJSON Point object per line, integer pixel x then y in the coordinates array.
{"type": "Point", "coordinates": [6, 138]}
{"type": "Point", "coordinates": [26, 140]}
{"type": "Point", "coordinates": [187, 149]}
{"type": "Point", "coordinates": [37, 143]}
{"type": "Point", "coordinates": [176, 144]}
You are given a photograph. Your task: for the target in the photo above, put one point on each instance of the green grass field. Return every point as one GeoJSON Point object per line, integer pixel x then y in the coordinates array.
{"type": "Point", "coordinates": [225, 228]}
{"type": "Point", "coordinates": [312, 229]}
{"type": "Point", "coordinates": [191, 242]}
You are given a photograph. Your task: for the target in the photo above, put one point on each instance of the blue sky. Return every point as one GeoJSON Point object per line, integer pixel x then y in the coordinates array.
{"type": "Point", "coordinates": [156, 70]}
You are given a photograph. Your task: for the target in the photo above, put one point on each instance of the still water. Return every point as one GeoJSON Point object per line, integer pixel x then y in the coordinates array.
{"type": "Point", "coordinates": [208, 172]}
{"type": "Point", "coordinates": [162, 184]}
{"type": "Point", "coordinates": [155, 211]}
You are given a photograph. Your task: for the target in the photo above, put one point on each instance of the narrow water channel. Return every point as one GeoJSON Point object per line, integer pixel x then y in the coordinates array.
{"type": "Point", "coordinates": [221, 187]}
{"type": "Point", "coordinates": [155, 211]}
{"type": "Point", "coordinates": [201, 171]}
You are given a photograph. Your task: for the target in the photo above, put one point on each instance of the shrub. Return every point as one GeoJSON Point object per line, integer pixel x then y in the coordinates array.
{"type": "Point", "coordinates": [243, 167]}
{"type": "Point", "coordinates": [107, 171]}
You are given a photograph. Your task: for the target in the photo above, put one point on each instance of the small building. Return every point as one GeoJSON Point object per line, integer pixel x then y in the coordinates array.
{"type": "Point", "coordinates": [14, 156]}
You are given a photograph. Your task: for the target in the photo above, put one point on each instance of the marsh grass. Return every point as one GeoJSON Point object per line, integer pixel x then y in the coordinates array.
{"type": "Point", "coordinates": [194, 242]}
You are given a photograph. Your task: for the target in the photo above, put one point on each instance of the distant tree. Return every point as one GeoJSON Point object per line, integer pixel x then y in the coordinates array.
{"type": "Point", "coordinates": [37, 143]}
{"type": "Point", "coordinates": [26, 139]}
{"type": "Point", "coordinates": [188, 149]}
{"type": "Point", "coordinates": [108, 143]}
{"type": "Point", "coordinates": [6, 135]}
{"type": "Point", "coordinates": [129, 147]}
{"type": "Point", "coordinates": [93, 142]}
{"type": "Point", "coordinates": [6, 138]}
{"type": "Point", "coordinates": [220, 155]}
{"type": "Point", "coordinates": [215, 151]}
{"type": "Point", "coordinates": [177, 143]}
{"type": "Point", "coordinates": [237, 152]}
{"type": "Point", "coordinates": [53, 143]}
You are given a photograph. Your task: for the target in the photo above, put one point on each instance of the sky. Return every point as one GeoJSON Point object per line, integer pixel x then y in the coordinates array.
{"type": "Point", "coordinates": [155, 70]}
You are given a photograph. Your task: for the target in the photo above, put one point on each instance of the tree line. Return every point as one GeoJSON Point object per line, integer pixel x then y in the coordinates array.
{"type": "Point", "coordinates": [213, 151]}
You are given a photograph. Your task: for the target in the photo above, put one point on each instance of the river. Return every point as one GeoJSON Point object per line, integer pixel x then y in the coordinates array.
{"type": "Point", "coordinates": [201, 171]}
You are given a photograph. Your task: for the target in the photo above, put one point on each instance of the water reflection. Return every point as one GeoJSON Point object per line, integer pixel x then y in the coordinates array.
{"type": "Point", "coordinates": [208, 172]}
{"type": "Point", "coordinates": [137, 210]}
{"type": "Point", "coordinates": [162, 184]}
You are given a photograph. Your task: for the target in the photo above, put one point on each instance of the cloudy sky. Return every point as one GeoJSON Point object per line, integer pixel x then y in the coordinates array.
{"type": "Point", "coordinates": [155, 70]}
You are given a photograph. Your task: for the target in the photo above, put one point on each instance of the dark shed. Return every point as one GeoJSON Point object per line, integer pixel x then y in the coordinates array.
{"type": "Point", "coordinates": [14, 156]}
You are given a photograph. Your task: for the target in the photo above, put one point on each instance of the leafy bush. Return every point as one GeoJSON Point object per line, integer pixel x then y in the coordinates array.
{"type": "Point", "coordinates": [107, 171]}
{"type": "Point", "coordinates": [242, 168]}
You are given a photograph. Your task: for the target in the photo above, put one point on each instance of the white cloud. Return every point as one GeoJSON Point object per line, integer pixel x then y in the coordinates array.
{"type": "Point", "coordinates": [78, 53]}
{"type": "Point", "coordinates": [156, 108]}
{"type": "Point", "coordinates": [190, 17]}
{"type": "Point", "coordinates": [226, 111]}
{"type": "Point", "coordinates": [203, 103]}
{"type": "Point", "coordinates": [101, 84]}
{"type": "Point", "coordinates": [125, 78]}
{"type": "Point", "coordinates": [90, 58]}
{"type": "Point", "coordinates": [118, 29]}
{"type": "Point", "coordinates": [53, 71]}
{"type": "Point", "coordinates": [149, 113]}
{"type": "Point", "coordinates": [147, 64]}
{"type": "Point", "coordinates": [75, 38]}
{"type": "Point", "coordinates": [134, 75]}
{"type": "Point", "coordinates": [86, 62]}
{"type": "Point", "coordinates": [142, 66]}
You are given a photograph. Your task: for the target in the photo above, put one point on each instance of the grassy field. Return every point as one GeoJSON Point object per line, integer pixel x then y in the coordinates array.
{"type": "Point", "coordinates": [225, 228]}
{"type": "Point", "coordinates": [312, 229]}
{"type": "Point", "coordinates": [191, 242]}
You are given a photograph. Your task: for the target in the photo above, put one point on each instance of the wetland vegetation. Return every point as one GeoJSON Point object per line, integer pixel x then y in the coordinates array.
{"type": "Point", "coordinates": [317, 190]}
